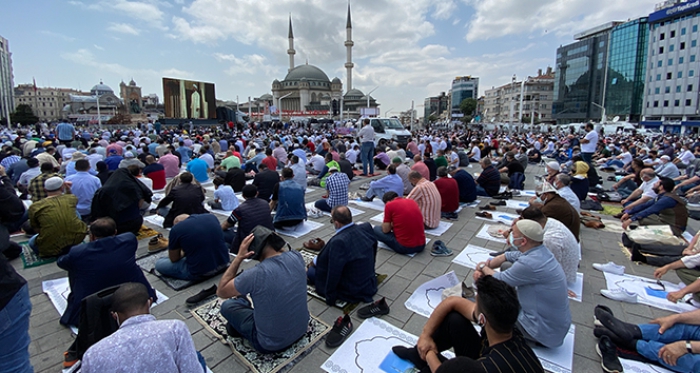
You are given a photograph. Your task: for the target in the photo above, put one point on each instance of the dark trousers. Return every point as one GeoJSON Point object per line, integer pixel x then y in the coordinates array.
{"type": "Point", "coordinates": [287, 223]}
{"type": "Point", "coordinates": [458, 333]}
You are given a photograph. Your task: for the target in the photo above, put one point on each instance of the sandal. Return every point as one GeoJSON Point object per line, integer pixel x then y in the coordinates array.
{"type": "Point", "coordinates": [314, 244]}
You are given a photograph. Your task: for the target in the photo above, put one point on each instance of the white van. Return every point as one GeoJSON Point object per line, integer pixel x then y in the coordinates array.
{"type": "Point", "coordinates": [387, 130]}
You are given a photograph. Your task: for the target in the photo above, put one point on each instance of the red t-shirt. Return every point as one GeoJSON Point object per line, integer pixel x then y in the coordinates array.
{"type": "Point", "coordinates": [449, 193]}
{"type": "Point", "coordinates": [311, 146]}
{"type": "Point", "coordinates": [270, 162]}
{"type": "Point", "coordinates": [407, 221]}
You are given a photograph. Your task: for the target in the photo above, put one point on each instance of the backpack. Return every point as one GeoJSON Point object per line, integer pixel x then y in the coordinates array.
{"type": "Point", "coordinates": [591, 205]}
{"type": "Point", "coordinates": [610, 196]}
{"type": "Point", "coordinates": [463, 159]}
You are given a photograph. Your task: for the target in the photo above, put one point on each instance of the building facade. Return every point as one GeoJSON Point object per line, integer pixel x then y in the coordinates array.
{"type": "Point", "coordinates": [579, 83]}
{"type": "Point", "coordinates": [131, 96]}
{"type": "Point", "coordinates": [624, 91]}
{"type": "Point", "coordinates": [537, 96]}
{"type": "Point", "coordinates": [463, 87]}
{"type": "Point", "coordinates": [672, 85]}
{"type": "Point", "coordinates": [437, 107]}
{"type": "Point", "coordinates": [47, 103]}
{"type": "Point", "coordinates": [7, 85]}
{"type": "Point", "coordinates": [83, 108]}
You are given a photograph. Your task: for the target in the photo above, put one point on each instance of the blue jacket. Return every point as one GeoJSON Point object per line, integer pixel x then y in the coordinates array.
{"type": "Point", "coordinates": [97, 265]}
{"type": "Point", "coordinates": [467, 186]}
{"type": "Point", "coordinates": [345, 266]}
{"type": "Point", "coordinates": [290, 202]}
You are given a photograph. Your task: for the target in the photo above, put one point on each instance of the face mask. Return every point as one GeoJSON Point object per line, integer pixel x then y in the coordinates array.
{"type": "Point", "coordinates": [539, 200]}
{"type": "Point", "coordinates": [511, 241]}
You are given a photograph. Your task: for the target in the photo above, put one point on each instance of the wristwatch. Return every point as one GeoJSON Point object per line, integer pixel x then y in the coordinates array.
{"type": "Point", "coordinates": [688, 346]}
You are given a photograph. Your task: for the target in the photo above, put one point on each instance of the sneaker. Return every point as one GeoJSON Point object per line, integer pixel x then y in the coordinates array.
{"type": "Point", "coordinates": [620, 294]}
{"type": "Point", "coordinates": [202, 295]}
{"type": "Point", "coordinates": [157, 243]}
{"type": "Point", "coordinates": [314, 214]}
{"type": "Point", "coordinates": [375, 309]}
{"type": "Point", "coordinates": [341, 329]}
{"type": "Point", "coordinates": [410, 354]}
{"type": "Point", "coordinates": [69, 359]}
{"type": "Point", "coordinates": [608, 355]}
{"type": "Point", "coordinates": [367, 199]}
{"type": "Point", "coordinates": [610, 267]}
{"type": "Point", "coordinates": [498, 203]}
{"type": "Point", "coordinates": [439, 249]}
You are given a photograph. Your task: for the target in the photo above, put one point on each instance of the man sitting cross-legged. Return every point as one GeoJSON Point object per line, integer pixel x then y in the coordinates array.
{"type": "Point", "coordinates": [402, 229]}
{"type": "Point", "coordinates": [545, 317]}
{"type": "Point", "coordinates": [277, 286]}
{"type": "Point", "coordinates": [107, 260]}
{"type": "Point", "coordinates": [288, 201]}
{"type": "Point", "coordinates": [142, 343]}
{"type": "Point", "coordinates": [196, 248]}
{"type": "Point", "coordinates": [344, 269]}
{"type": "Point", "coordinates": [500, 347]}
{"type": "Point", "coordinates": [391, 182]}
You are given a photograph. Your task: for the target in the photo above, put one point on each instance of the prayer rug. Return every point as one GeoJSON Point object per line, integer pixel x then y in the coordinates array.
{"type": "Point", "coordinates": [611, 209]}
{"type": "Point", "coordinates": [148, 264]}
{"type": "Point", "coordinates": [146, 232]}
{"type": "Point", "coordinates": [30, 259]}
{"type": "Point", "coordinates": [209, 316]}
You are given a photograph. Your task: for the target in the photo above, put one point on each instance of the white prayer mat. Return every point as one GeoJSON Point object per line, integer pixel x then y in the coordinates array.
{"type": "Point", "coordinates": [560, 359]}
{"type": "Point", "coordinates": [368, 349]}
{"type": "Point", "coordinates": [382, 245]}
{"type": "Point", "coordinates": [59, 289]}
{"type": "Point", "coordinates": [300, 230]}
{"type": "Point", "coordinates": [353, 211]}
{"type": "Point", "coordinates": [528, 193]}
{"type": "Point", "coordinates": [249, 181]}
{"type": "Point", "coordinates": [513, 204]}
{"type": "Point", "coordinates": [688, 237]}
{"type": "Point", "coordinates": [158, 196]}
{"type": "Point", "coordinates": [639, 367]}
{"type": "Point", "coordinates": [577, 288]}
{"type": "Point", "coordinates": [484, 233]}
{"type": "Point", "coordinates": [473, 255]}
{"type": "Point", "coordinates": [648, 291]}
{"type": "Point", "coordinates": [429, 294]}
{"type": "Point", "coordinates": [156, 220]}
{"type": "Point", "coordinates": [27, 203]}
{"type": "Point", "coordinates": [210, 188]}
{"type": "Point", "coordinates": [472, 205]}
{"type": "Point", "coordinates": [440, 230]}
{"type": "Point", "coordinates": [502, 217]}
{"type": "Point", "coordinates": [376, 204]}
{"type": "Point", "coordinates": [612, 226]}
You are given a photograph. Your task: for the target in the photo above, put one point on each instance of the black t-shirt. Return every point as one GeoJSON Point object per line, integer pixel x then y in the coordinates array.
{"type": "Point", "coordinates": [266, 181]}
{"type": "Point", "coordinates": [235, 177]}
{"type": "Point", "coordinates": [511, 356]}
{"type": "Point", "coordinates": [537, 156]}
{"type": "Point", "coordinates": [10, 282]}
{"type": "Point", "coordinates": [514, 167]}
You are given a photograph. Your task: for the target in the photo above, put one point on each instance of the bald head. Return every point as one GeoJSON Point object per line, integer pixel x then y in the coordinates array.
{"type": "Point", "coordinates": [417, 158]}
{"type": "Point", "coordinates": [180, 218]}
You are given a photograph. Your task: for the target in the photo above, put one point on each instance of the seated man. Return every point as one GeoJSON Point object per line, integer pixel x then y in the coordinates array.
{"type": "Point", "coordinates": [544, 316]}
{"type": "Point", "coordinates": [265, 180]}
{"type": "Point", "coordinates": [120, 198]}
{"type": "Point", "coordinates": [288, 201]}
{"type": "Point", "coordinates": [465, 183]}
{"type": "Point", "coordinates": [489, 181]}
{"type": "Point", "coordinates": [234, 177]}
{"type": "Point", "coordinates": [449, 194]}
{"type": "Point", "coordinates": [554, 206]}
{"type": "Point", "coordinates": [402, 229]}
{"type": "Point", "coordinates": [196, 248]}
{"type": "Point", "coordinates": [320, 180]}
{"type": "Point", "coordinates": [336, 191]}
{"type": "Point", "coordinates": [511, 167]}
{"type": "Point", "coordinates": [186, 198]}
{"type": "Point", "coordinates": [56, 221]}
{"type": "Point", "coordinates": [154, 171]}
{"type": "Point", "coordinates": [499, 347]}
{"type": "Point", "coordinates": [344, 269]}
{"type": "Point", "coordinates": [381, 160]}
{"type": "Point", "coordinates": [149, 345]}
{"type": "Point", "coordinates": [345, 166]}
{"type": "Point", "coordinates": [428, 198]}
{"type": "Point", "coordinates": [224, 196]}
{"type": "Point", "coordinates": [688, 270]}
{"type": "Point", "coordinates": [107, 260]}
{"type": "Point", "coordinates": [199, 168]}
{"type": "Point", "coordinates": [83, 186]}
{"type": "Point", "coordinates": [670, 341]}
{"type": "Point", "coordinates": [644, 193]}
{"type": "Point", "coordinates": [389, 183]}
{"type": "Point", "coordinates": [281, 314]}
{"type": "Point", "coordinates": [562, 182]}
{"type": "Point", "coordinates": [667, 169]}
{"type": "Point", "coordinates": [250, 213]}
{"type": "Point", "coordinates": [403, 170]}
{"type": "Point", "coordinates": [475, 154]}
{"type": "Point", "coordinates": [667, 208]}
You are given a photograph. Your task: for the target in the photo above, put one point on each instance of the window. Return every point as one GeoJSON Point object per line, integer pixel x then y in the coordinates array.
{"type": "Point", "coordinates": [661, 50]}
{"type": "Point", "coordinates": [693, 43]}
{"type": "Point", "coordinates": [657, 90]}
{"type": "Point", "coordinates": [690, 88]}
{"type": "Point", "coordinates": [691, 73]}
{"type": "Point", "coordinates": [695, 28]}
{"type": "Point", "coordinates": [692, 58]}
{"type": "Point", "coordinates": [665, 103]}
{"type": "Point", "coordinates": [673, 33]}
{"type": "Point", "coordinates": [688, 102]}
{"type": "Point", "coordinates": [670, 62]}
{"type": "Point", "coordinates": [682, 45]}
{"type": "Point", "coordinates": [678, 89]}
{"type": "Point", "coordinates": [679, 75]}
{"type": "Point", "coordinates": [671, 47]}
{"type": "Point", "coordinates": [660, 63]}
{"type": "Point", "coordinates": [683, 31]}
{"type": "Point", "coordinates": [669, 76]}
{"type": "Point", "coordinates": [680, 60]}
{"type": "Point", "coordinates": [656, 103]}
{"type": "Point", "coordinates": [676, 103]}
{"type": "Point", "coordinates": [667, 89]}
{"type": "Point", "coordinates": [662, 36]}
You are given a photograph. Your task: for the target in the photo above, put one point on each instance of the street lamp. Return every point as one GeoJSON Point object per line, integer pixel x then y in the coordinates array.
{"type": "Point", "coordinates": [99, 117]}
{"type": "Point", "coordinates": [279, 102]}
{"type": "Point", "coordinates": [370, 92]}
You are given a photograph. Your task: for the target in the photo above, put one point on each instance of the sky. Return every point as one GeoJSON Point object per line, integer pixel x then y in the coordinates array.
{"type": "Point", "coordinates": [407, 49]}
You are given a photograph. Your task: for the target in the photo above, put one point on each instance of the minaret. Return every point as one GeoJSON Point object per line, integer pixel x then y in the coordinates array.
{"type": "Point", "coordinates": [291, 52]}
{"type": "Point", "coordinates": [348, 44]}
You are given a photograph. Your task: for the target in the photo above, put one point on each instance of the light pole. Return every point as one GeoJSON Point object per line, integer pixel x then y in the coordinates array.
{"type": "Point", "coordinates": [369, 93]}
{"type": "Point", "coordinates": [99, 117]}
{"type": "Point", "coordinates": [279, 102]}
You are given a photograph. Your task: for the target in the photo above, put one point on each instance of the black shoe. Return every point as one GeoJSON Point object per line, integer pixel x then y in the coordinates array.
{"type": "Point", "coordinates": [13, 251]}
{"type": "Point", "coordinates": [410, 354]}
{"type": "Point", "coordinates": [233, 333]}
{"type": "Point", "coordinates": [626, 331]}
{"type": "Point", "coordinates": [497, 253]}
{"type": "Point", "coordinates": [202, 295]}
{"type": "Point", "coordinates": [341, 329]}
{"type": "Point", "coordinates": [375, 309]}
{"type": "Point", "coordinates": [608, 355]}
{"type": "Point", "coordinates": [637, 256]}
{"type": "Point", "coordinates": [367, 199]}
{"type": "Point", "coordinates": [498, 203]}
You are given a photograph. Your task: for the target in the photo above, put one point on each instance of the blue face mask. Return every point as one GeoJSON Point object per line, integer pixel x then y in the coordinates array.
{"type": "Point", "coordinates": [511, 241]}
{"type": "Point", "coordinates": [539, 200]}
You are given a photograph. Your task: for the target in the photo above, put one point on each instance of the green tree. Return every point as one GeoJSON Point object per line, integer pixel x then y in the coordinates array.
{"type": "Point", "coordinates": [432, 118]}
{"type": "Point", "coordinates": [467, 107]}
{"type": "Point", "coordinates": [23, 114]}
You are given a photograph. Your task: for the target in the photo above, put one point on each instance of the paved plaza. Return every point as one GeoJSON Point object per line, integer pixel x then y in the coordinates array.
{"type": "Point", "coordinates": [50, 339]}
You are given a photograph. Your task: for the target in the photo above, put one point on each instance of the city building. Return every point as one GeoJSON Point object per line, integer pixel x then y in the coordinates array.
{"type": "Point", "coordinates": [578, 86]}
{"type": "Point", "coordinates": [537, 98]}
{"type": "Point", "coordinates": [307, 90]}
{"type": "Point", "coordinates": [83, 108]}
{"type": "Point", "coordinates": [463, 87]}
{"type": "Point", "coordinates": [671, 97]}
{"type": "Point", "coordinates": [436, 107]}
{"type": "Point", "coordinates": [46, 102]}
{"type": "Point", "coordinates": [6, 82]}
{"type": "Point", "coordinates": [131, 96]}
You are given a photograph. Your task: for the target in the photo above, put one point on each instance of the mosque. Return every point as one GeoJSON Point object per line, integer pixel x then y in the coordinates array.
{"type": "Point", "coordinates": [307, 91]}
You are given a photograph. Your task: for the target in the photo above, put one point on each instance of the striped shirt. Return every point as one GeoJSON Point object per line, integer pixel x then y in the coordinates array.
{"type": "Point", "coordinates": [511, 356]}
{"type": "Point", "coordinates": [337, 186]}
{"type": "Point", "coordinates": [428, 198]}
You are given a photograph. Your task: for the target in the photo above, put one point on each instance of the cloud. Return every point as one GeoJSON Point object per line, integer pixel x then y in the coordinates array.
{"type": "Point", "coordinates": [497, 18]}
{"type": "Point", "coordinates": [248, 65]}
{"type": "Point", "coordinates": [98, 47]}
{"type": "Point", "coordinates": [148, 12]}
{"type": "Point", "coordinates": [123, 28]}
{"type": "Point", "coordinates": [57, 35]}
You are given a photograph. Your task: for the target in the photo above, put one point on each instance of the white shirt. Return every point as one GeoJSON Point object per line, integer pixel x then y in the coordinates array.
{"type": "Point", "coordinates": [570, 197]}
{"type": "Point", "coordinates": [366, 134]}
{"type": "Point", "coordinates": [351, 156]}
{"type": "Point", "coordinates": [647, 188]}
{"type": "Point", "coordinates": [318, 162]}
{"type": "Point", "coordinates": [626, 158]}
{"type": "Point", "coordinates": [206, 157]}
{"type": "Point", "coordinates": [590, 147]}
{"type": "Point", "coordinates": [562, 243]}
{"type": "Point", "coordinates": [686, 156]}
{"type": "Point", "coordinates": [476, 153]}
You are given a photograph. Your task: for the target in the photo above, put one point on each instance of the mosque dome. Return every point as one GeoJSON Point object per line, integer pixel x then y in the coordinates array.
{"type": "Point", "coordinates": [355, 93]}
{"type": "Point", "coordinates": [336, 80]}
{"type": "Point", "coordinates": [309, 72]}
{"type": "Point", "coordinates": [266, 97]}
{"type": "Point", "coordinates": [100, 89]}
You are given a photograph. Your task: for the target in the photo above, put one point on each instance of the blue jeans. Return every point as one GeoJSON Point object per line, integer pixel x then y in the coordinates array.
{"type": "Point", "coordinates": [239, 314]}
{"type": "Point", "coordinates": [14, 333]}
{"type": "Point", "coordinates": [14, 226]}
{"type": "Point", "coordinates": [367, 154]}
{"type": "Point", "coordinates": [390, 240]}
{"type": "Point", "coordinates": [614, 163]}
{"type": "Point", "coordinates": [375, 192]}
{"type": "Point", "coordinates": [652, 342]}
{"type": "Point", "coordinates": [175, 270]}
{"type": "Point", "coordinates": [322, 204]}
{"type": "Point", "coordinates": [588, 158]}
{"type": "Point", "coordinates": [32, 244]}
{"type": "Point", "coordinates": [480, 191]}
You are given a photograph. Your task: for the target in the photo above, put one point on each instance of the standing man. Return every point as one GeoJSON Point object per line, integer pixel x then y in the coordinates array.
{"type": "Point", "coordinates": [366, 135]}
{"type": "Point", "coordinates": [588, 146]}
